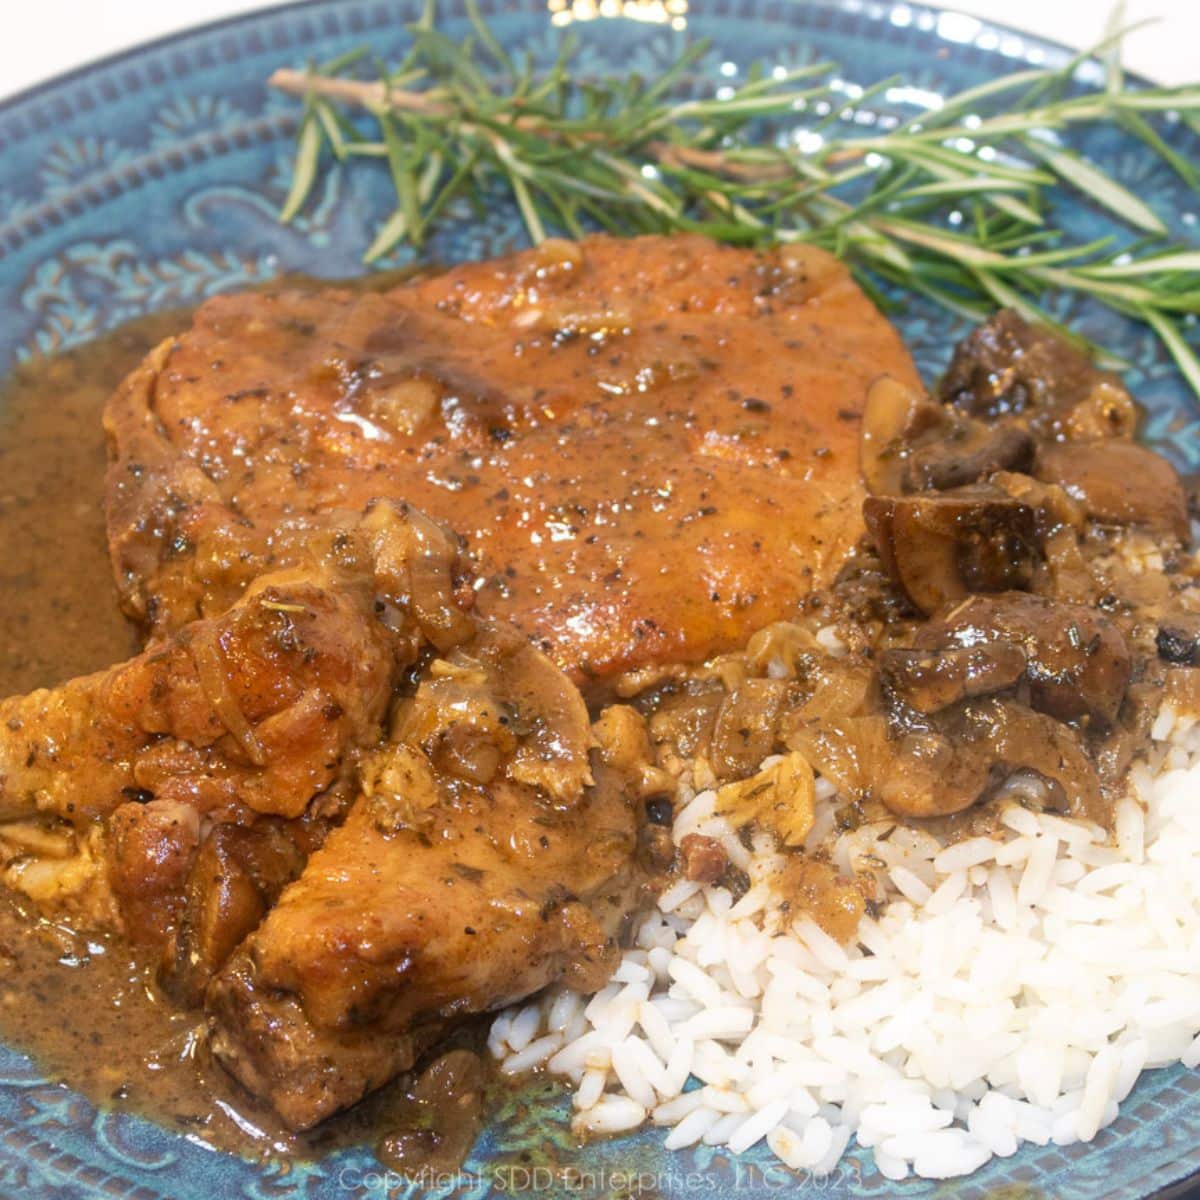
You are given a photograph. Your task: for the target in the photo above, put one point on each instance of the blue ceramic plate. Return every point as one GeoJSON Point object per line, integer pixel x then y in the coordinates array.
{"type": "Point", "coordinates": [152, 180]}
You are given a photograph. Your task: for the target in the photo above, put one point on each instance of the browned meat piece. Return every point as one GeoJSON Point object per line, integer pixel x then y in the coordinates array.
{"type": "Point", "coordinates": [257, 713]}
{"type": "Point", "coordinates": [195, 889]}
{"type": "Point", "coordinates": [489, 850]}
{"type": "Point", "coordinates": [486, 859]}
{"type": "Point", "coordinates": [255, 710]}
{"type": "Point", "coordinates": [1008, 368]}
{"type": "Point", "coordinates": [151, 846]}
{"type": "Point", "coordinates": [1119, 483]}
{"type": "Point", "coordinates": [702, 859]}
{"type": "Point", "coordinates": [235, 878]}
{"type": "Point", "coordinates": [650, 445]}
{"type": "Point", "coordinates": [176, 794]}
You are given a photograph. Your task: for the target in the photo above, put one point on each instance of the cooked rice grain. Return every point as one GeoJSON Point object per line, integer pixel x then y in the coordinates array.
{"type": "Point", "coordinates": [1012, 991]}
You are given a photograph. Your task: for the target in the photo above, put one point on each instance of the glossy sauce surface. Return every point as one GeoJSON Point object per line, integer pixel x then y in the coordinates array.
{"type": "Point", "coordinates": [650, 446]}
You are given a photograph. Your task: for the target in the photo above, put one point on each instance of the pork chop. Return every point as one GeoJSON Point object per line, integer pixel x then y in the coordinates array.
{"type": "Point", "coordinates": [649, 445]}
{"type": "Point", "coordinates": [650, 448]}
{"type": "Point", "coordinates": [111, 784]}
{"type": "Point", "coordinates": [486, 858]}
{"type": "Point", "coordinates": [492, 842]}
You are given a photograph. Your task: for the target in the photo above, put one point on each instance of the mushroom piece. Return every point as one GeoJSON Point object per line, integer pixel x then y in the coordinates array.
{"type": "Point", "coordinates": [930, 680]}
{"type": "Point", "coordinates": [893, 416]}
{"type": "Point", "coordinates": [1078, 666]}
{"type": "Point", "coordinates": [971, 451]}
{"type": "Point", "coordinates": [943, 546]}
{"type": "Point", "coordinates": [1118, 483]}
{"type": "Point", "coordinates": [911, 444]}
{"type": "Point", "coordinates": [971, 751]}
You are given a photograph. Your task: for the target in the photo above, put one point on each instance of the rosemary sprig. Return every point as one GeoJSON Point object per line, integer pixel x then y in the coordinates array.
{"type": "Point", "coordinates": [954, 203]}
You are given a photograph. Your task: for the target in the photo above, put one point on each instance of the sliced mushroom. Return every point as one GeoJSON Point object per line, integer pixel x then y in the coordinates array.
{"type": "Point", "coordinates": [1078, 666]}
{"type": "Point", "coordinates": [971, 451]}
{"type": "Point", "coordinates": [976, 748]}
{"type": "Point", "coordinates": [910, 444]}
{"type": "Point", "coordinates": [1118, 483]}
{"type": "Point", "coordinates": [1065, 572]}
{"type": "Point", "coordinates": [929, 776]}
{"type": "Point", "coordinates": [1114, 753]}
{"type": "Point", "coordinates": [941, 547]}
{"type": "Point", "coordinates": [893, 417]}
{"type": "Point", "coordinates": [930, 680]}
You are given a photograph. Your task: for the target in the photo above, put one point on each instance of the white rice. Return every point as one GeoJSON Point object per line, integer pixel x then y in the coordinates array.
{"type": "Point", "coordinates": [1012, 990]}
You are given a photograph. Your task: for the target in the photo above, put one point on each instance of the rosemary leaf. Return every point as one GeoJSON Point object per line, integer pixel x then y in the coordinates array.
{"type": "Point", "coordinates": [1093, 183]}
{"type": "Point", "coordinates": [403, 176]}
{"type": "Point", "coordinates": [1185, 260]}
{"type": "Point", "coordinates": [304, 169]}
{"type": "Point", "coordinates": [388, 236]}
{"type": "Point", "coordinates": [965, 185]}
{"type": "Point", "coordinates": [488, 40]}
{"type": "Point", "coordinates": [1168, 333]}
{"type": "Point", "coordinates": [1136, 124]}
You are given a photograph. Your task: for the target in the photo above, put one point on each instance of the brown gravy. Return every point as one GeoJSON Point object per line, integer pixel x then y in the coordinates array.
{"type": "Point", "coordinates": [86, 1008]}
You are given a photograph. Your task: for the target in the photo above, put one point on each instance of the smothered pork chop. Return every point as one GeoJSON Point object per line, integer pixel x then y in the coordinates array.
{"type": "Point", "coordinates": [350, 793]}
{"type": "Point", "coordinates": [650, 446]}
{"type": "Point", "coordinates": [398, 551]}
